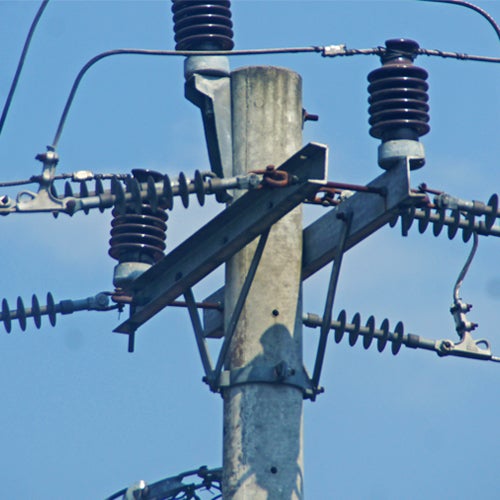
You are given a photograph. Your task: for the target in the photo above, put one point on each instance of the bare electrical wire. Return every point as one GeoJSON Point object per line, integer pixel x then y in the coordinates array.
{"type": "Point", "coordinates": [148, 52]}
{"type": "Point", "coordinates": [465, 269]}
{"type": "Point", "coordinates": [326, 51]}
{"type": "Point", "coordinates": [469, 5]}
{"type": "Point", "coordinates": [456, 55]}
{"type": "Point", "coordinates": [20, 64]}
{"type": "Point", "coordinates": [75, 176]}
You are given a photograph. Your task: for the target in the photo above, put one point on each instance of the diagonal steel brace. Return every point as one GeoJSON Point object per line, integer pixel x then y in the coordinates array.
{"type": "Point", "coordinates": [198, 332]}
{"type": "Point", "coordinates": [213, 381]}
{"type": "Point", "coordinates": [330, 297]}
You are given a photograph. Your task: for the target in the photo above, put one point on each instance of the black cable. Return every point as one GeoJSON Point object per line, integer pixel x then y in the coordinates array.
{"type": "Point", "coordinates": [115, 52]}
{"type": "Point", "coordinates": [465, 269]}
{"type": "Point", "coordinates": [457, 55]}
{"type": "Point", "coordinates": [326, 51]}
{"type": "Point", "coordinates": [468, 5]}
{"type": "Point", "coordinates": [21, 63]}
{"type": "Point", "coordinates": [82, 72]}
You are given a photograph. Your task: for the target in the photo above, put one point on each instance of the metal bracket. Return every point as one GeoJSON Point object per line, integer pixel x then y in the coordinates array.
{"type": "Point", "coordinates": [218, 379]}
{"type": "Point", "coordinates": [212, 94]}
{"type": "Point", "coordinates": [233, 322]}
{"type": "Point", "coordinates": [330, 297]}
{"type": "Point", "coordinates": [321, 239]}
{"type": "Point", "coordinates": [370, 211]}
{"type": "Point", "coordinates": [466, 348]}
{"type": "Point", "coordinates": [44, 199]}
{"type": "Point", "coordinates": [280, 374]}
{"type": "Point", "coordinates": [198, 332]}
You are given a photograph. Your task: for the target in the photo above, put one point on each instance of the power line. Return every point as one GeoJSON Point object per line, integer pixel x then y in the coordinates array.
{"type": "Point", "coordinates": [325, 51]}
{"type": "Point", "coordinates": [21, 63]}
{"type": "Point", "coordinates": [469, 5]}
{"type": "Point", "coordinates": [457, 55]}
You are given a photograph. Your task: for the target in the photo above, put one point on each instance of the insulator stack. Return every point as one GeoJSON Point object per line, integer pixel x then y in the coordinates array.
{"type": "Point", "coordinates": [138, 237]}
{"type": "Point", "coordinates": [160, 191]}
{"type": "Point", "coordinates": [138, 231]}
{"type": "Point", "coordinates": [469, 348]}
{"type": "Point", "coordinates": [369, 332]}
{"type": "Point", "coordinates": [398, 94]}
{"type": "Point", "coordinates": [97, 303]}
{"type": "Point", "coordinates": [202, 25]}
{"type": "Point", "coordinates": [183, 187]}
{"type": "Point", "coordinates": [398, 105]}
{"type": "Point", "coordinates": [454, 219]}
{"type": "Point", "coordinates": [84, 192]}
{"type": "Point", "coordinates": [136, 192]}
{"type": "Point", "coordinates": [21, 313]}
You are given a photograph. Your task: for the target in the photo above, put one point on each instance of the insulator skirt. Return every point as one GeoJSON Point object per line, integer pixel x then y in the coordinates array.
{"type": "Point", "coordinates": [398, 100]}
{"type": "Point", "coordinates": [200, 25]}
{"type": "Point", "coordinates": [138, 237]}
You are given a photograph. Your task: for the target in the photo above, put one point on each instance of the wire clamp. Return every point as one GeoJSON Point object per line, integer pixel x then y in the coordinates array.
{"type": "Point", "coordinates": [333, 50]}
{"type": "Point", "coordinates": [466, 348]}
{"type": "Point", "coordinates": [49, 159]}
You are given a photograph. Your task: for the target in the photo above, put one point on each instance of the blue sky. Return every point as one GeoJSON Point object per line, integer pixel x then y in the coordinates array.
{"type": "Point", "coordinates": [81, 418]}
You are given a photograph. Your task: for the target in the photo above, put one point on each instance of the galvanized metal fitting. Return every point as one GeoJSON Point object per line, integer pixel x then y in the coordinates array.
{"type": "Point", "coordinates": [391, 152]}
{"type": "Point", "coordinates": [280, 374]}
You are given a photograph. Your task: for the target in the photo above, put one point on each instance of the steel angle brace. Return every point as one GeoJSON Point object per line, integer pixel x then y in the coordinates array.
{"type": "Point", "coordinates": [198, 332]}
{"type": "Point", "coordinates": [222, 237]}
{"type": "Point", "coordinates": [282, 373]}
{"type": "Point", "coordinates": [212, 376]}
{"type": "Point", "coordinates": [279, 374]}
{"type": "Point", "coordinates": [370, 212]}
{"type": "Point", "coordinates": [346, 217]}
{"type": "Point", "coordinates": [214, 379]}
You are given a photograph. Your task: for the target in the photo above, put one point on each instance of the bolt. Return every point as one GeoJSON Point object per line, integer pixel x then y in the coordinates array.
{"type": "Point", "coordinates": [275, 312]}
{"type": "Point", "coordinates": [447, 345]}
{"type": "Point", "coordinates": [307, 117]}
{"type": "Point", "coordinates": [70, 206]}
{"type": "Point", "coordinates": [101, 300]}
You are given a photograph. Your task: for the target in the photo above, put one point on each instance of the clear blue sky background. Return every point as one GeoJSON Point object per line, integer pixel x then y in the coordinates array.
{"type": "Point", "coordinates": [81, 418]}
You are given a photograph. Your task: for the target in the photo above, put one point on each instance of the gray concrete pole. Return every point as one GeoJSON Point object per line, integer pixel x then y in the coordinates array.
{"type": "Point", "coordinates": [263, 457]}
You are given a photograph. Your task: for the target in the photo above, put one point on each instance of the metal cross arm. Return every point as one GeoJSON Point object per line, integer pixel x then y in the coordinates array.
{"type": "Point", "coordinates": [321, 239]}
{"type": "Point", "coordinates": [370, 212]}
{"type": "Point", "coordinates": [223, 236]}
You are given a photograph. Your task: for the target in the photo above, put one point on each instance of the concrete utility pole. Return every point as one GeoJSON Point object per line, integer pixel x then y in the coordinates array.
{"type": "Point", "coordinates": [263, 456]}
